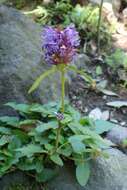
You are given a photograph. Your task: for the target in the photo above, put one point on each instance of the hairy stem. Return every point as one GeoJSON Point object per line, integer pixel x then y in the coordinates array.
{"type": "Point", "coordinates": [62, 72]}
{"type": "Point", "coordinates": [58, 136]}
{"type": "Point", "coordinates": [62, 89]}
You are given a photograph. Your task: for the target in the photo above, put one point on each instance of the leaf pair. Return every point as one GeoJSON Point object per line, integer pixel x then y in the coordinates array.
{"type": "Point", "coordinates": [54, 69]}
{"type": "Point", "coordinates": [41, 78]}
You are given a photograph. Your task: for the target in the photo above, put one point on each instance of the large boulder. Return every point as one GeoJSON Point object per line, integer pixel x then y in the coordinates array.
{"type": "Point", "coordinates": [107, 174]}
{"type": "Point", "coordinates": [21, 60]}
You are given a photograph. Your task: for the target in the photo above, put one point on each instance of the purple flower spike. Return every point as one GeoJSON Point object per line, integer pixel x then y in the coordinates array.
{"type": "Point", "coordinates": [60, 46]}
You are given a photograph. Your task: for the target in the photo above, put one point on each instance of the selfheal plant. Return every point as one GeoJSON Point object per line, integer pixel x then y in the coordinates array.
{"type": "Point", "coordinates": [60, 48]}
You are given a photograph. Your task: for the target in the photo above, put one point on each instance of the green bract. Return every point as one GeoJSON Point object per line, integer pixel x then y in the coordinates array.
{"type": "Point", "coordinates": [28, 142]}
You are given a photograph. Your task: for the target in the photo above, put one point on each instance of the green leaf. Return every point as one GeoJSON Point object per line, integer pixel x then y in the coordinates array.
{"type": "Point", "coordinates": [46, 175]}
{"type": "Point", "coordinates": [49, 147]}
{"type": "Point", "coordinates": [4, 140]}
{"type": "Point", "coordinates": [39, 165]}
{"type": "Point", "coordinates": [12, 121]}
{"type": "Point", "coordinates": [21, 135]}
{"type": "Point", "coordinates": [56, 159]}
{"type": "Point", "coordinates": [84, 75]}
{"type": "Point", "coordinates": [26, 165]}
{"type": "Point", "coordinates": [27, 122]}
{"type": "Point", "coordinates": [5, 131]}
{"type": "Point", "coordinates": [46, 126]}
{"type": "Point", "coordinates": [91, 138]}
{"type": "Point", "coordinates": [19, 107]}
{"type": "Point", "coordinates": [87, 122]}
{"type": "Point", "coordinates": [67, 119]}
{"type": "Point", "coordinates": [30, 149]}
{"type": "Point", "coordinates": [124, 143]}
{"type": "Point", "coordinates": [98, 70]}
{"type": "Point", "coordinates": [38, 108]}
{"type": "Point", "coordinates": [74, 127]}
{"type": "Point", "coordinates": [77, 144]}
{"type": "Point", "coordinates": [102, 126]}
{"type": "Point", "coordinates": [75, 114]}
{"type": "Point", "coordinates": [15, 143]}
{"type": "Point", "coordinates": [83, 173]}
{"type": "Point", "coordinates": [41, 78]}
{"type": "Point", "coordinates": [4, 168]}
{"type": "Point", "coordinates": [67, 151]}
{"type": "Point", "coordinates": [31, 164]}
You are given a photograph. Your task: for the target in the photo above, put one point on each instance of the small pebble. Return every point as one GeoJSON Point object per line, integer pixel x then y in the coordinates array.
{"type": "Point", "coordinates": [104, 97]}
{"type": "Point", "coordinates": [114, 120]}
{"type": "Point", "coordinates": [123, 123]}
{"type": "Point", "coordinates": [74, 97]}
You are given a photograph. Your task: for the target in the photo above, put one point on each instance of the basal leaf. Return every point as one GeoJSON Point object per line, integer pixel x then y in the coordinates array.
{"type": "Point", "coordinates": [83, 173]}
{"type": "Point", "coordinates": [21, 135]}
{"type": "Point", "coordinates": [5, 131]}
{"type": "Point", "coordinates": [30, 149]}
{"type": "Point", "coordinates": [38, 108]}
{"type": "Point", "coordinates": [77, 144]}
{"type": "Point", "coordinates": [4, 140]}
{"type": "Point", "coordinates": [31, 164]}
{"type": "Point", "coordinates": [56, 159]}
{"type": "Point", "coordinates": [19, 107]}
{"type": "Point", "coordinates": [46, 126]}
{"type": "Point", "coordinates": [102, 126]}
{"type": "Point", "coordinates": [27, 122]}
{"type": "Point", "coordinates": [45, 175]}
{"type": "Point", "coordinates": [67, 151]}
{"type": "Point", "coordinates": [8, 120]}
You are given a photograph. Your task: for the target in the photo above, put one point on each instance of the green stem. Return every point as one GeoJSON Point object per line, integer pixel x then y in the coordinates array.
{"type": "Point", "coordinates": [62, 72]}
{"type": "Point", "coordinates": [62, 89]}
{"type": "Point", "coordinates": [57, 136]}
{"type": "Point", "coordinates": [98, 27]}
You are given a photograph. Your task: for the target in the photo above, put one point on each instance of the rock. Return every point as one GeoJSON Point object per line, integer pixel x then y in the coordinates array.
{"type": "Point", "coordinates": [18, 180]}
{"type": "Point", "coordinates": [98, 1]}
{"type": "Point", "coordinates": [98, 114]}
{"type": "Point", "coordinates": [107, 174]}
{"type": "Point", "coordinates": [120, 39]}
{"type": "Point", "coordinates": [105, 115]}
{"type": "Point", "coordinates": [82, 61]}
{"type": "Point", "coordinates": [116, 4]}
{"type": "Point", "coordinates": [95, 114]}
{"type": "Point", "coordinates": [20, 58]}
{"type": "Point", "coordinates": [117, 135]}
{"type": "Point", "coordinates": [125, 16]}
{"type": "Point", "coordinates": [46, 2]}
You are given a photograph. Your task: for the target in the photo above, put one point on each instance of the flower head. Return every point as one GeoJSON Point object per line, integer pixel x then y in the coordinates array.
{"type": "Point", "coordinates": [60, 46]}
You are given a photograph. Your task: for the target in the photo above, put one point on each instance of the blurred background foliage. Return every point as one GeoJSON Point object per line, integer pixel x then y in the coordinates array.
{"type": "Point", "coordinates": [64, 12]}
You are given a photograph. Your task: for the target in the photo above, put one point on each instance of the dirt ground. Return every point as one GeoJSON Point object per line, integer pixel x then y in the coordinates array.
{"type": "Point", "coordinates": [86, 100]}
